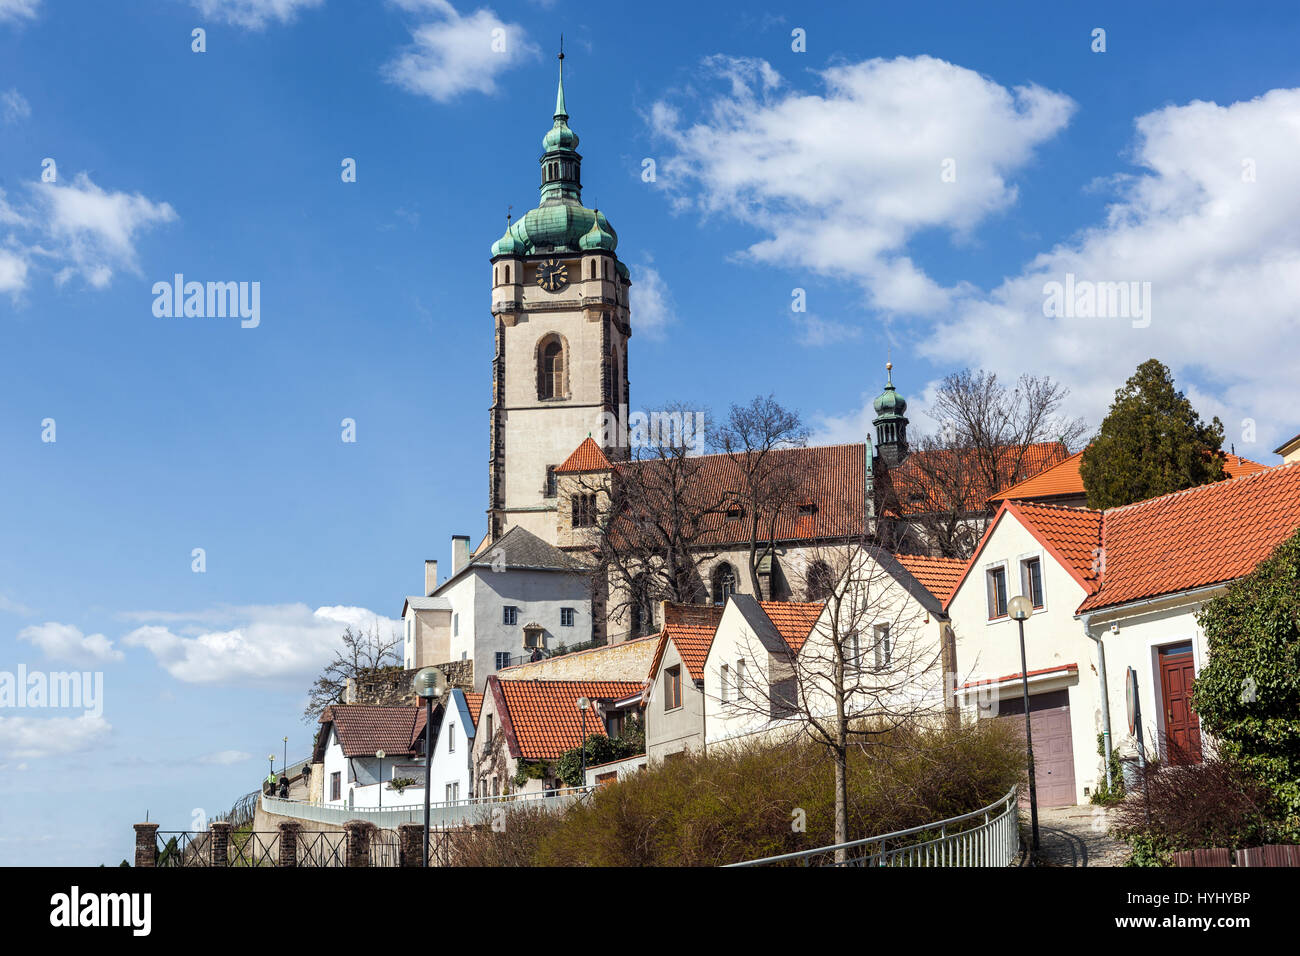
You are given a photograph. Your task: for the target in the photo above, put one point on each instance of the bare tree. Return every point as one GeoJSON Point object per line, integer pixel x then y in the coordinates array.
{"type": "Point", "coordinates": [990, 436]}
{"type": "Point", "coordinates": [766, 482]}
{"type": "Point", "coordinates": [664, 508]}
{"type": "Point", "coordinates": [874, 661]}
{"type": "Point", "coordinates": [363, 654]}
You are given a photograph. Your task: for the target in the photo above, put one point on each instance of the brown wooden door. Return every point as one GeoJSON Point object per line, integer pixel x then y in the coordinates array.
{"type": "Point", "coordinates": [1049, 721]}
{"type": "Point", "coordinates": [1182, 726]}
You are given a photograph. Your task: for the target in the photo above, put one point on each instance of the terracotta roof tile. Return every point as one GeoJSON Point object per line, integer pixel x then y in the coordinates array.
{"type": "Point", "coordinates": [794, 620]}
{"type": "Point", "coordinates": [544, 713]}
{"type": "Point", "coordinates": [910, 488]}
{"type": "Point", "coordinates": [691, 628]}
{"type": "Point", "coordinates": [365, 728]}
{"type": "Point", "coordinates": [1073, 533]}
{"type": "Point", "coordinates": [939, 576]}
{"type": "Point", "coordinates": [1064, 478]}
{"type": "Point", "coordinates": [586, 457]}
{"type": "Point", "coordinates": [1204, 535]}
{"type": "Point", "coordinates": [475, 704]}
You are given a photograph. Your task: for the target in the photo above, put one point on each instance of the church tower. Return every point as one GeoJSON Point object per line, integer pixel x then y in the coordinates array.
{"type": "Point", "coordinates": [561, 325]}
{"type": "Point", "coordinates": [891, 422]}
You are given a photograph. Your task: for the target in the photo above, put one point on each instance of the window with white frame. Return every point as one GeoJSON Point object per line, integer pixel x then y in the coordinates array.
{"type": "Point", "coordinates": [502, 659]}
{"type": "Point", "coordinates": [566, 617]}
{"type": "Point", "coordinates": [996, 582]}
{"type": "Point", "coordinates": [1031, 580]}
{"type": "Point", "coordinates": [725, 676]}
{"type": "Point", "coordinates": [510, 614]}
{"type": "Point", "coordinates": [455, 625]}
{"type": "Point", "coordinates": [883, 648]}
{"type": "Point", "coordinates": [853, 651]}
{"type": "Point", "coordinates": [451, 738]}
{"type": "Point", "coordinates": [740, 679]}
{"type": "Point", "coordinates": [672, 688]}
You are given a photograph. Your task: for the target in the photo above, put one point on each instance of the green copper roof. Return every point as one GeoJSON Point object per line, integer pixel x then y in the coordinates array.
{"type": "Point", "coordinates": [560, 223]}
{"type": "Point", "coordinates": [889, 404]}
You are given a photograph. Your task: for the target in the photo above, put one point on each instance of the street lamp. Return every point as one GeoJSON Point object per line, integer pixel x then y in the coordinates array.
{"type": "Point", "coordinates": [429, 684]}
{"type": "Point", "coordinates": [380, 755]}
{"type": "Point", "coordinates": [583, 704]}
{"type": "Point", "coordinates": [1020, 608]}
{"type": "Point", "coordinates": [284, 767]}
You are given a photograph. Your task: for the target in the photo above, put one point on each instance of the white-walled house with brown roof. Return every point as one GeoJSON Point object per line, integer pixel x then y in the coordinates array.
{"type": "Point", "coordinates": [347, 743]}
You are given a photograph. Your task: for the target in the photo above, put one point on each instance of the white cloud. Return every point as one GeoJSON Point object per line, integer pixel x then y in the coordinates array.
{"type": "Point", "coordinates": [8, 605]}
{"type": "Point", "coordinates": [224, 758]}
{"type": "Point", "coordinates": [93, 231]}
{"type": "Point", "coordinates": [840, 182]}
{"type": "Point", "coordinates": [284, 644]}
{"type": "Point", "coordinates": [814, 331]}
{"type": "Point", "coordinates": [254, 14]}
{"type": "Point", "coordinates": [652, 305]}
{"type": "Point", "coordinates": [1222, 255]}
{"type": "Point", "coordinates": [13, 272]}
{"type": "Point", "coordinates": [18, 9]}
{"type": "Point", "coordinates": [31, 737]}
{"type": "Point", "coordinates": [13, 106]}
{"type": "Point", "coordinates": [453, 54]}
{"type": "Point", "coordinates": [64, 642]}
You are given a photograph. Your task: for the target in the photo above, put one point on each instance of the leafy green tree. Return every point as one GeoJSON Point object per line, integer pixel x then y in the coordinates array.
{"type": "Point", "coordinates": [600, 749]}
{"type": "Point", "coordinates": [1248, 695]}
{"type": "Point", "coordinates": [1152, 442]}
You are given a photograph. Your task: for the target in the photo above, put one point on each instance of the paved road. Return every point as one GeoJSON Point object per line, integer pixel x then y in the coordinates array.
{"type": "Point", "coordinates": [1077, 836]}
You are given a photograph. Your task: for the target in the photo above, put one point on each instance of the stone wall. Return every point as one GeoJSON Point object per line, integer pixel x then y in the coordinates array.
{"type": "Point", "coordinates": [629, 660]}
{"type": "Point", "coordinates": [393, 686]}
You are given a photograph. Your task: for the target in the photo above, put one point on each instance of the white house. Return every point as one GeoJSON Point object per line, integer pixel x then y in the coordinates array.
{"type": "Point", "coordinates": [453, 747]}
{"type": "Point", "coordinates": [363, 748]}
{"type": "Point", "coordinates": [516, 598]}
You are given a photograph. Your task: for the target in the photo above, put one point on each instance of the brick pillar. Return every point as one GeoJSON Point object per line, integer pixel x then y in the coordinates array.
{"type": "Point", "coordinates": [219, 831]}
{"type": "Point", "coordinates": [146, 844]}
{"type": "Point", "coordinates": [358, 837]}
{"type": "Point", "coordinates": [409, 837]}
{"type": "Point", "coordinates": [288, 843]}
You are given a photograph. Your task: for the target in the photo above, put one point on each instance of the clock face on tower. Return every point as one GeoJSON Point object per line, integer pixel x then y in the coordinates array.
{"type": "Point", "coordinates": [552, 275]}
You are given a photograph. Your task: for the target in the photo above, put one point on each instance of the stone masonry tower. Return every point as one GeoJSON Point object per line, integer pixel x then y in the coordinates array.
{"type": "Point", "coordinates": [561, 325]}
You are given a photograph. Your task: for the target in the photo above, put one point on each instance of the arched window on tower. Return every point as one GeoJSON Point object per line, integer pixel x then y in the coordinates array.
{"type": "Point", "coordinates": [550, 369]}
{"type": "Point", "coordinates": [724, 583]}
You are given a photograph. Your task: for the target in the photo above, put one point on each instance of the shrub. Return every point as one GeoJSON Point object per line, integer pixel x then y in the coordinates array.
{"type": "Point", "coordinates": [1212, 804]}
{"type": "Point", "coordinates": [1102, 794]}
{"type": "Point", "coordinates": [742, 802]}
{"type": "Point", "coordinates": [1248, 694]}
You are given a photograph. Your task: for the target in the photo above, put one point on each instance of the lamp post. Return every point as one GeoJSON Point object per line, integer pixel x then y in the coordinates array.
{"type": "Point", "coordinates": [380, 755]}
{"type": "Point", "coordinates": [583, 704]}
{"type": "Point", "coordinates": [429, 684]}
{"type": "Point", "coordinates": [284, 767]}
{"type": "Point", "coordinates": [1020, 608]}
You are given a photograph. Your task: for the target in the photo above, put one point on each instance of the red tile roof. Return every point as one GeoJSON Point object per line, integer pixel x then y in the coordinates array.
{"type": "Point", "coordinates": [365, 728]}
{"type": "Point", "coordinates": [691, 628]}
{"type": "Point", "coordinates": [833, 480]}
{"type": "Point", "coordinates": [586, 457]}
{"type": "Point", "coordinates": [1060, 668]}
{"type": "Point", "coordinates": [544, 717]}
{"type": "Point", "coordinates": [794, 620]}
{"type": "Point", "coordinates": [1064, 479]}
{"type": "Point", "coordinates": [939, 576]}
{"type": "Point", "coordinates": [475, 704]}
{"type": "Point", "coordinates": [1202, 536]}
{"type": "Point", "coordinates": [912, 487]}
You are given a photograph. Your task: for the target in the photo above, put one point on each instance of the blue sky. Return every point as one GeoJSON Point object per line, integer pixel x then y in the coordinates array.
{"type": "Point", "coordinates": [1168, 158]}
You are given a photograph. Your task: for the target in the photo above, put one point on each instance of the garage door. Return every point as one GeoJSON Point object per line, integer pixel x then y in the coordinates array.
{"type": "Point", "coordinates": [1049, 720]}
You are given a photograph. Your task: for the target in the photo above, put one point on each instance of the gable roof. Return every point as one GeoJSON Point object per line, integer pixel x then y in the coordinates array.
{"type": "Point", "coordinates": [691, 628]}
{"type": "Point", "coordinates": [474, 703]}
{"type": "Point", "coordinates": [586, 457]}
{"type": "Point", "coordinates": [544, 720]}
{"type": "Point", "coordinates": [793, 620]}
{"type": "Point", "coordinates": [1065, 480]}
{"type": "Point", "coordinates": [1198, 537]}
{"type": "Point", "coordinates": [364, 728]}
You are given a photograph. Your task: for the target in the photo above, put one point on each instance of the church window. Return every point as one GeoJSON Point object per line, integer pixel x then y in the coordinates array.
{"type": "Point", "coordinates": [820, 582]}
{"type": "Point", "coordinates": [584, 510]}
{"type": "Point", "coordinates": [550, 369]}
{"type": "Point", "coordinates": [550, 481]}
{"type": "Point", "coordinates": [724, 583]}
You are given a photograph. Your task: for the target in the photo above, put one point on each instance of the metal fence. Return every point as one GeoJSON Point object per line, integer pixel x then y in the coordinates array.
{"type": "Point", "coordinates": [989, 836]}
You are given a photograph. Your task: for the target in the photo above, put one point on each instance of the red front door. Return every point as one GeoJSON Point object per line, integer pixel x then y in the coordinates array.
{"type": "Point", "coordinates": [1182, 726]}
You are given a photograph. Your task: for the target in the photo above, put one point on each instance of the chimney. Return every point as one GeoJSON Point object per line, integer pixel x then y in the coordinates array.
{"type": "Point", "coordinates": [430, 576]}
{"type": "Point", "coordinates": [459, 552]}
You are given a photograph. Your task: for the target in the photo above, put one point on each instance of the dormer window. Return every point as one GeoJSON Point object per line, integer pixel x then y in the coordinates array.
{"type": "Point", "coordinates": [735, 513]}
{"type": "Point", "coordinates": [807, 509]}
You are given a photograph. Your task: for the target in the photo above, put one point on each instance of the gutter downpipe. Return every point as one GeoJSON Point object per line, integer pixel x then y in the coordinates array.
{"type": "Point", "coordinates": [1105, 695]}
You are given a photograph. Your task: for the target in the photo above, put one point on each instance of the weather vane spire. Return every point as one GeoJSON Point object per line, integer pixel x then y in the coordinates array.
{"type": "Point", "coordinates": [560, 111]}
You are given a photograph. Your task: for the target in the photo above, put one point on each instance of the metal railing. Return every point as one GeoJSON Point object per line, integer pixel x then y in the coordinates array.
{"type": "Point", "coordinates": [442, 813]}
{"type": "Point", "coordinates": [550, 653]}
{"type": "Point", "coordinates": [989, 836]}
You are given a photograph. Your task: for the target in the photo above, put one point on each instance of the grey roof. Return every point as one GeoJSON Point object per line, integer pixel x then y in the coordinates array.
{"type": "Point", "coordinates": [520, 550]}
{"type": "Point", "coordinates": [429, 603]}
